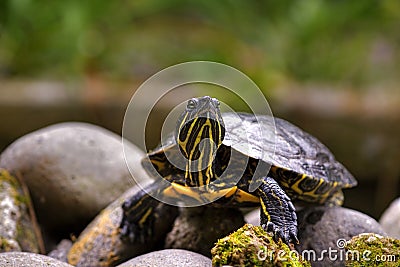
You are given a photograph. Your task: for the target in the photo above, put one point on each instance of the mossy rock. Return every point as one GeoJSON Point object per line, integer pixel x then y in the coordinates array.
{"type": "Point", "coordinates": [252, 246]}
{"type": "Point", "coordinates": [19, 230]}
{"type": "Point", "coordinates": [372, 250]}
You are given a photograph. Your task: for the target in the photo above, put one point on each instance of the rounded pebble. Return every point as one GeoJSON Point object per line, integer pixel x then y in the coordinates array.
{"type": "Point", "coordinates": [326, 229]}
{"type": "Point", "coordinates": [390, 219]}
{"type": "Point", "coordinates": [253, 217]}
{"type": "Point", "coordinates": [25, 259]}
{"type": "Point", "coordinates": [169, 258]}
{"type": "Point", "coordinates": [72, 170]}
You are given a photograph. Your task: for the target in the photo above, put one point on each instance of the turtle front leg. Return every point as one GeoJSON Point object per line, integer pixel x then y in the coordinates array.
{"type": "Point", "coordinates": [139, 211]}
{"type": "Point", "coordinates": [277, 211]}
{"type": "Point", "coordinates": [139, 214]}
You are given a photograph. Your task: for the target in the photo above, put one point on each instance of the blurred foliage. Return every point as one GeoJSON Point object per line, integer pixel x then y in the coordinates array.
{"type": "Point", "coordinates": [354, 42]}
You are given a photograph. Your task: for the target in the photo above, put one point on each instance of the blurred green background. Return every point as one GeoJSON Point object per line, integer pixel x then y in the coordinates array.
{"type": "Point", "coordinates": [331, 67]}
{"type": "Point", "coordinates": [354, 42]}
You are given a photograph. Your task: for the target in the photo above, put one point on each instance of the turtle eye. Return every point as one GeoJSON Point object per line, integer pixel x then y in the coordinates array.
{"type": "Point", "coordinates": [216, 102]}
{"type": "Point", "coordinates": [192, 104]}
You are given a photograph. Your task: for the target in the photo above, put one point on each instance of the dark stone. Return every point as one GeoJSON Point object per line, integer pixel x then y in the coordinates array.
{"type": "Point", "coordinates": [315, 217]}
{"type": "Point", "coordinates": [197, 229]}
{"type": "Point", "coordinates": [169, 258]}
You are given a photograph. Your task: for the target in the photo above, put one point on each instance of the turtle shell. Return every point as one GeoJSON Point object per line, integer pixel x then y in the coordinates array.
{"type": "Point", "coordinates": [288, 149]}
{"type": "Point", "coordinates": [285, 146]}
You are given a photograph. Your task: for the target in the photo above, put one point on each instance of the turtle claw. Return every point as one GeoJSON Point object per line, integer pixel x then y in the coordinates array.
{"type": "Point", "coordinates": [287, 236]}
{"type": "Point", "coordinates": [137, 218]}
{"type": "Point", "coordinates": [293, 237]}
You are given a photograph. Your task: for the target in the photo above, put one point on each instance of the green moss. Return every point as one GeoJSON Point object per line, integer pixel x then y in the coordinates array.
{"type": "Point", "coordinates": [24, 236]}
{"type": "Point", "coordinates": [5, 176]}
{"type": "Point", "coordinates": [22, 199]}
{"type": "Point", "coordinates": [372, 250]}
{"type": "Point", "coordinates": [5, 245]}
{"type": "Point", "coordinates": [16, 189]}
{"type": "Point", "coordinates": [252, 246]}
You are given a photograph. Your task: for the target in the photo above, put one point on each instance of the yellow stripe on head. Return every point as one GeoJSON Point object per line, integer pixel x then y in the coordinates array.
{"type": "Point", "coordinates": [200, 131]}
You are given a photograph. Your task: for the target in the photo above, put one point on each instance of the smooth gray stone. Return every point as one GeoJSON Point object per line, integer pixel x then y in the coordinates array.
{"type": "Point", "coordinates": [390, 219]}
{"type": "Point", "coordinates": [169, 258]}
{"type": "Point", "coordinates": [72, 170]}
{"type": "Point", "coordinates": [326, 228]}
{"type": "Point", "coordinates": [253, 217]}
{"type": "Point", "coordinates": [26, 259]}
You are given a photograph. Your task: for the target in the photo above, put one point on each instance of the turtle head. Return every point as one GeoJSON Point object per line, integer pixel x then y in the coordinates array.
{"type": "Point", "coordinates": [200, 131]}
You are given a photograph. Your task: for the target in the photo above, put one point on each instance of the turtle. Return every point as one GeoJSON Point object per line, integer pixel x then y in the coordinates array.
{"type": "Point", "coordinates": [223, 155]}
